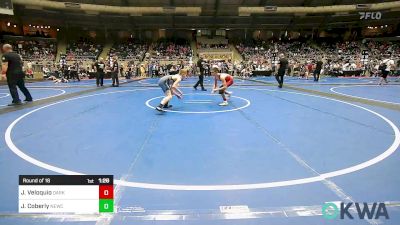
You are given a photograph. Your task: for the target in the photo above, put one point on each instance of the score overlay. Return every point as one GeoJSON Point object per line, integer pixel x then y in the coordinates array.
{"type": "Point", "coordinates": [80, 194]}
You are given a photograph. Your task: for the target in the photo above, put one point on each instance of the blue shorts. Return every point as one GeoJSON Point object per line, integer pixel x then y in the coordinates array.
{"type": "Point", "coordinates": [164, 85]}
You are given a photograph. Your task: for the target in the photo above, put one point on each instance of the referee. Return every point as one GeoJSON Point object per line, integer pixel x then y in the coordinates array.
{"type": "Point", "coordinates": [114, 71]}
{"type": "Point", "coordinates": [317, 71]}
{"type": "Point", "coordinates": [200, 64]}
{"type": "Point", "coordinates": [100, 66]}
{"type": "Point", "coordinates": [12, 67]}
{"type": "Point", "coordinates": [282, 66]}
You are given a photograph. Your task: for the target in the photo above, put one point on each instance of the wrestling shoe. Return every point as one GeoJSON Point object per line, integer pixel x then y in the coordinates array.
{"type": "Point", "coordinates": [224, 103]}
{"type": "Point", "coordinates": [15, 103]}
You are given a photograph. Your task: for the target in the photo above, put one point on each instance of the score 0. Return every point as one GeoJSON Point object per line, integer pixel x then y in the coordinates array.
{"type": "Point", "coordinates": [106, 198]}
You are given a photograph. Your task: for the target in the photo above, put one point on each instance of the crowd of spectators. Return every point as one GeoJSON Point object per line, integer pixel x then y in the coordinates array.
{"type": "Point", "coordinates": [215, 43]}
{"type": "Point", "coordinates": [342, 51]}
{"type": "Point", "coordinates": [378, 49]}
{"type": "Point", "coordinates": [171, 51]}
{"type": "Point", "coordinates": [156, 69]}
{"type": "Point", "coordinates": [261, 56]}
{"type": "Point", "coordinates": [339, 57]}
{"type": "Point", "coordinates": [257, 52]}
{"type": "Point", "coordinates": [212, 46]}
{"type": "Point", "coordinates": [83, 49]}
{"type": "Point", "coordinates": [129, 51]}
{"type": "Point", "coordinates": [347, 56]}
{"type": "Point", "coordinates": [37, 50]}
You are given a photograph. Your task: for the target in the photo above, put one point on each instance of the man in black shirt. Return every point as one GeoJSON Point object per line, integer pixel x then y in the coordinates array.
{"type": "Point", "coordinates": [114, 71]}
{"type": "Point", "coordinates": [73, 73]}
{"type": "Point", "coordinates": [12, 67]}
{"type": "Point", "coordinates": [317, 70]}
{"type": "Point", "coordinates": [77, 67]}
{"type": "Point", "coordinates": [282, 66]}
{"type": "Point", "coordinates": [200, 63]}
{"type": "Point", "coordinates": [100, 66]}
{"type": "Point", "coordinates": [207, 69]}
{"type": "Point", "coordinates": [66, 72]}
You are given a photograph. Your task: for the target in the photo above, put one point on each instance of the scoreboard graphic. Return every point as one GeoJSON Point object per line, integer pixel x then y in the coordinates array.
{"type": "Point", "coordinates": [78, 194]}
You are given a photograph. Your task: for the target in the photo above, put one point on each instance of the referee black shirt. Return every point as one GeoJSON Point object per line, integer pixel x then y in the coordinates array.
{"type": "Point", "coordinates": [100, 67]}
{"type": "Point", "coordinates": [319, 66]}
{"type": "Point", "coordinates": [283, 62]}
{"type": "Point", "coordinates": [14, 70]}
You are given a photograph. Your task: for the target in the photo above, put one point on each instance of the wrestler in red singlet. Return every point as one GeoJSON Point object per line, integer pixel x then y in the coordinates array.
{"type": "Point", "coordinates": [226, 79]}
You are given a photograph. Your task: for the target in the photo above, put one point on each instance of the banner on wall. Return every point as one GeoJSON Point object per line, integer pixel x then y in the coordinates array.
{"type": "Point", "coordinates": [216, 55]}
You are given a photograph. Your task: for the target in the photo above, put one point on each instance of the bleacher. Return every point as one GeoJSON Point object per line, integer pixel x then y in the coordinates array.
{"type": "Point", "coordinates": [129, 50]}
{"type": "Point", "coordinates": [34, 49]}
{"type": "Point", "coordinates": [171, 51]}
{"type": "Point", "coordinates": [83, 49]}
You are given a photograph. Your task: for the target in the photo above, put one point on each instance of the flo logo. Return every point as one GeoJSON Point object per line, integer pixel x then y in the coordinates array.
{"type": "Point", "coordinates": [377, 210]}
{"type": "Point", "coordinates": [370, 15]}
